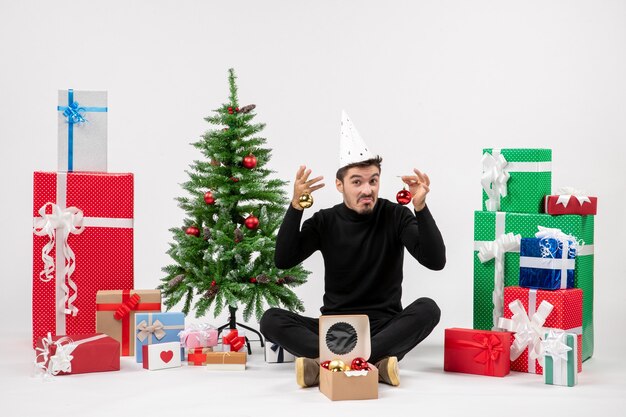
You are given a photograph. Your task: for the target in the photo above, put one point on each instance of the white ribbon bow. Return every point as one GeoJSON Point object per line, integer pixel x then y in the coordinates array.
{"type": "Point", "coordinates": [528, 331]}
{"type": "Point", "coordinates": [496, 249]}
{"type": "Point", "coordinates": [566, 193]}
{"type": "Point", "coordinates": [144, 330]}
{"type": "Point", "coordinates": [494, 179]}
{"type": "Point", "coordinates": [61, 361]}
{"type": "Point", "coordinates": [554, 345]}
{"type": "Point", "coordinates": [66, 221]}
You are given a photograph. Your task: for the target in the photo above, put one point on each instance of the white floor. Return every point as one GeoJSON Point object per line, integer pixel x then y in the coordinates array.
{"type": "Point", "coordinates": [270, 390]}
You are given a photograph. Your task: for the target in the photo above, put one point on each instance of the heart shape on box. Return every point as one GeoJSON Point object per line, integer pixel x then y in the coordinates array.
{"type": "Point", "coordinates": [167, 356]}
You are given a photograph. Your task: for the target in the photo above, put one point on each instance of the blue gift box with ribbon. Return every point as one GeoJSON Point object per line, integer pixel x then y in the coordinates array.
{"type": "Point", "coordinates": [547, 263]}
{"type": "Point", "coordinates": [82, 131]}
{"type": "Point", "coordinates": [152, 328]}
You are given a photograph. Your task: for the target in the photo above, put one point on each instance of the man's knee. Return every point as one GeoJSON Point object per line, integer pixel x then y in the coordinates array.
{"type": "Point", "coordinates": [268, 321]}
{"type": "Point", "coordinates": [430, 307]}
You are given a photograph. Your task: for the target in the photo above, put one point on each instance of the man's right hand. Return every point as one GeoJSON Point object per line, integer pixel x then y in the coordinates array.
{"type": "Point", "coordinates": [303, 185]}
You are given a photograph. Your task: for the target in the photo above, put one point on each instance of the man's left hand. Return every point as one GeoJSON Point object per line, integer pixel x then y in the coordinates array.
{"type": "Point", "coordinates": [419, 186]}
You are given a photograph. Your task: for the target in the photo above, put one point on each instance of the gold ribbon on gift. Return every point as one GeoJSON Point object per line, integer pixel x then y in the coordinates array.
{"type": "Point", "coordinates": [145, 330]}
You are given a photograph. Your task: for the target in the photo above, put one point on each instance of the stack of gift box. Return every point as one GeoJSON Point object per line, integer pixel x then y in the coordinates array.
{"type": "Point", "coordinates": [85, 311]}
{"type": "Point", "coordinates": [533, 274]}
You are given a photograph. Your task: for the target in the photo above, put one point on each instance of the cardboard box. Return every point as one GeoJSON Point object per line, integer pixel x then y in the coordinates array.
{"type": "Point", "coordinates": [95, 210]}
{"type": "Point", "coordinates": [226, 361]}
{"type": "Point", "coordinates": [82, 130]}
{"type": "Point", "coordinates": [479, 352]}
{"type": "Point", "coordinates": [161, 356]}
{"type": "Point", "coordinates": [77, 354]}
{"type": "Point", "coordinates": [115, 314]}
{"type": "Point", "coordinates": [346, 338]}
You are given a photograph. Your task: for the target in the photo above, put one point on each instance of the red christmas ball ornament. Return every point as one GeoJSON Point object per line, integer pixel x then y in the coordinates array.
{"type": "Point", "coordinates": [325, 364]}
{"type": "Point", "coordinates": [237, 109]}
{"type": "Point", "coordinates": [230, 110]}
{"type": "Point", "coordinates": [251, 222]}
{"type": "Point", "coordinates": [249, 161]}
{"type": "Point", "coordinates": [359, 364]}
{"type": "Point", "coordinates": [253, 280]}
{"type": "Point", "coordinates": [404, 197]}
{"type": "Point", "coordinates": [234, 179]}
{"type": "Point", "coordinates": [213, 283]}
{"type": "Point", "coordinates": [193, 231]}
{"type": "Point", "coordinates": [208, 198]}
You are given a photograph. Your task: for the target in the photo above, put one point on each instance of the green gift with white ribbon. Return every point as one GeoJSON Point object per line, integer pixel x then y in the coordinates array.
{"type": "Point", "coordinates": [560, 351]}
{"type": "Point", "coordinates": [516, 180]}
{"type": "Point", "coordinates": [497, 262]}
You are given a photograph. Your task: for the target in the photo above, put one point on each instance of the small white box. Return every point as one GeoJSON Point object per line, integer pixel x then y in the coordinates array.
{"type": "Point", "coordinates": [82, 131]}
{"type": "Point", "coordinates": [161, 356]}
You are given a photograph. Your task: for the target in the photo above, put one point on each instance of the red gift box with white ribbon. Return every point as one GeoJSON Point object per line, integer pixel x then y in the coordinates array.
{"type": "Point", "coordinates": [570, 201]}
{"type": "Point", "coordinates": [82, 243]}
{"type": "Point", "coordinates": [77, 354]}
{"type": "Point", "coordinates": [530, 313]}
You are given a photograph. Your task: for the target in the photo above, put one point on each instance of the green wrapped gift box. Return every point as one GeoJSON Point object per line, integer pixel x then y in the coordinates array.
{"type": "Point", "coordinates": [516, 180]}
{"type": "Point", "coordinates": [491, 225]}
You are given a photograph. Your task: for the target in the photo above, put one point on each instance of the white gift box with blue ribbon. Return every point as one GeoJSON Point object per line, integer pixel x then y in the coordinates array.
{"type": "Point", "coordinates": [82, 131]}
{"type": "Point", "coordinates": [547, 261]}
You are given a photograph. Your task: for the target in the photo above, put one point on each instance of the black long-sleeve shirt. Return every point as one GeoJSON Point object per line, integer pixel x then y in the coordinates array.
{"type": "Point", "coordinates": [363, 253]}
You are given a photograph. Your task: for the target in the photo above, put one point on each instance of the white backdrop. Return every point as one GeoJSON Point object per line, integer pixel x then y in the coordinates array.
{"type": "Point", "coordinates": [427, 83]}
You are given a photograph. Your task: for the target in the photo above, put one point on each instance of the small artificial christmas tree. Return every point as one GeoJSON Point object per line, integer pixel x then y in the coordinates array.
{"type": "Point", "coordinates": [224, 253]}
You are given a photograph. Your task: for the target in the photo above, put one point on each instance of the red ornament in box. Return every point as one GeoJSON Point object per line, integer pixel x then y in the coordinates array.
{"type": "Point", "coordinates": [479, 352]}
{"type": "Point", "coordinates": [77, 354]}
{"type": "Point", "coordinates": [251, 222]}
{"type": "Point", "coordinates": [249, 161]}
{"type": "Point", "coordinates": [565, 313]}
{"type": "Point", "coordinates": [96, 211]}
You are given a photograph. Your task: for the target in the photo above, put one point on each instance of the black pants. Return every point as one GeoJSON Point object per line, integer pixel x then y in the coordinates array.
{"type": "Point", "coordinates": [391, 336]}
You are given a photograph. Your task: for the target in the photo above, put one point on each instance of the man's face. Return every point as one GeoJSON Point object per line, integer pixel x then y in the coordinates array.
{"type": "Point", "coordinates": [360, 188]}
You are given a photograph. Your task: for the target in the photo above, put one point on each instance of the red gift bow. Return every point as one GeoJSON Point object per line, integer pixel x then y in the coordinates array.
{"type": "Point", "coordinates": [490, 348]}
{"type": "Point", "coordinates": [196, 356]}
{"type": "Point", "coordinates": [122, 312]}
{"type": "Point", "coordinates": [235, 341]}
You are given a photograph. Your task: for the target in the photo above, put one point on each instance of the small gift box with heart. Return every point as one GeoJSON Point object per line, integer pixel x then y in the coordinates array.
{"type": "Point", "coordinates": [155, 328]}
{"type": "Point", "coordinates": [345, 347]}
{"type": "Point", "coordinates": [77, 354]}
{"type": "Point", "coordinates": [568, 200]}
{"type": "Point", "coordinates": [479, 352]}
{"type": "Point", "coordinates": [161, 356]}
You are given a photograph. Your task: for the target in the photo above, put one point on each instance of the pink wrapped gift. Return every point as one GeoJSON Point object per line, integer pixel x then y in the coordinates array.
{"type": "Point", "coordinates": [198, 336]}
